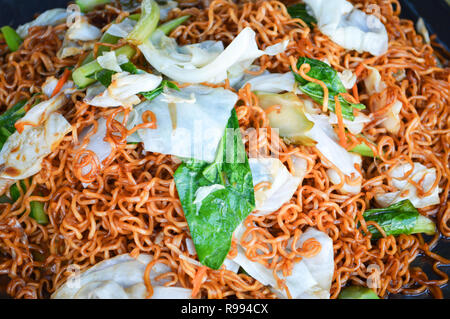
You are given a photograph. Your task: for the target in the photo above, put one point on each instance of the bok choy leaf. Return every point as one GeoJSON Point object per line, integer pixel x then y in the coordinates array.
{"type": "Point", "coordinates": [323, 72]}
{"type": "Point", "coordinates": [399, 218]}
{"type": "Point", "coordinates": [214, 213]}
{"type": "Point", "coordinates": [298, 11]}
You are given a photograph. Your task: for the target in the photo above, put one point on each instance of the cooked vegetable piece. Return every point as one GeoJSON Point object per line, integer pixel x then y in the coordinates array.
{"type": "Point", "coordinates": [164, 84]}
{"type": "Point", "coordinates": [323, 72]}
{"type": "Point", "coordinates": [37, 208]}
{"type": "Point", "coordinates": [147, 22]}
{"type": "Point", "coordinates": [172, 24]}
{"type": "Point", "coordinates": [8, 119]}
{"type": "Point", "coordinates": [13, 40]}
{"type": "Point", "coordinates": [348, 26]}
{"type": "Point", "coordinates": [298, 11]}
{"type": "Point", "coordinates": [81, 75]}
{"type": "Point", "coordinates": [289, 117]}
{"type": "Point", "coordinates": [88, 5]}
{"type": "Point", "coordinates": [399, 218]}
{"type": "Point", "coordinates": [363, 149]}
{"type": "Point", "coordinates": [357, 292]}
{"type": "Point", "coordinates": [213, 219]}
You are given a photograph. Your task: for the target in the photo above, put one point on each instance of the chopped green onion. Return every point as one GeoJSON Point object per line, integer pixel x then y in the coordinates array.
{"type": "Point", "coordinates": [172, 24]}
{"type": "Point", "coordinates": [357, 292]}
{"type": "Point", "coordinates": [88, 5]}
{"type": "Point", "coordinates": [81, 75]}
{"type": "Point", "coordinates": [147, 22]}
{"type": "Point", "coordinates": [106, 38]}
{"type": "Point", "coordinates": [13, 40]}
{"type": "Point", "coordinates": [37, 208]}
{"type": "Point", "coordinates": [38, 212]}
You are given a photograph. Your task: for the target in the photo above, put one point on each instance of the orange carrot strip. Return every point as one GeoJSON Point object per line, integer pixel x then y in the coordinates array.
{"type": "Point", "coordinates": [198, 280]}
{"type": "Point", "coordinates": [61, 82]}
{"type": "Point", "coordinates": [340, 120]}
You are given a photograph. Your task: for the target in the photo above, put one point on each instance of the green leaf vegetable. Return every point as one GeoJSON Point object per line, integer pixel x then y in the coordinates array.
{"type": "Point", "coordinates": [88, 5]}
{"type": "Point", "coordinates": [13, 40]}
{"type": "Point", "coordinates": [298, 11]}
{"type": "Point", "coordinates": [213, 220]}
{"type": "Point", "coordinates": [84, 75]}
{"type": "Point", "coordinates": [357, 292]}
{"type": "Point", "coordinates": [8, 119]}
{"type": "Point", "coordinates": [164, 83]}
{"type": "Point", "coordinates": [363, 149]}
{"type": "Point", "coordinates": [323, 72]}
{"type": "Point", "coordinates": [399, 218]}
{"type": "Point", "coordinates": [290, 119]}
{"type": "Point", "coordinates": [146, 24]}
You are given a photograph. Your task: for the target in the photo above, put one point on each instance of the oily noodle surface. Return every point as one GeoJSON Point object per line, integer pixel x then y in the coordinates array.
{"type": "Point", "coordinates": [131, 204]}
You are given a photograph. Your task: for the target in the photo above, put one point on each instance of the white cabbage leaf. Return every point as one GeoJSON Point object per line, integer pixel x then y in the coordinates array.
{"type": "Point", "coordinates": [421, 175]}
{"type": "Point", "coordinates": [282, 184]}
{"type": "Point", "coordinates": [310, 277]}
{"type": "Point", "coordinates": [374, 84]}
{"type": "Point", "coordinates": [348, 78]}
{"type": "Point", "coordinates": [80, 37]}
{"type": "Point", "coordinates": [97, 143]}
{"type": "Point", "coordinates": [23, 153]}
{"type": "Point", "coordinates": [123, 90]}
{"type": "Point", "coordinates": [300, 167]}
{"type": "Point", "coordinates": [39, 113]}
{"type": "Point", "coordinates": [349, 27]}
{"type": "Point", "coordinates": [165, 8]}
{"type": "Point", "coordinates": [82, 30]}
{"type": "Point", "coordinates": [352, 188]}
{"type": "Point", "coordinates": [272, 83]}
{"type": "Point", "coordinates": [356, 126]}
{"type": "Point", "coordinates": [110, 61]}
{"type": "Point", "coordinates": [50, 17]}
{"type": "Point", "coordinates": [50, 84]}
{"type": "Point", "coordinates": [322, 132]}
{"type": "Point", "coordinates": [122, 29]}
{"type": "Point", "coordinates": [120, 277]}
{"type": "Point", "coordinates": [191, 125]}
{"type": "Point", "coordinates": [206, 61]}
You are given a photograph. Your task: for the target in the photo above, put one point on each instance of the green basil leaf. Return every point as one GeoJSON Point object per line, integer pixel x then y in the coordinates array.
{"type": "Point", "coordinates": [298, 11]}
{"type": "Point", "coordinates": [323, 72]}
{"type": "Point", "coordinates": [213, 221]}
{"type": "Point", "coordinates": [398, 218]}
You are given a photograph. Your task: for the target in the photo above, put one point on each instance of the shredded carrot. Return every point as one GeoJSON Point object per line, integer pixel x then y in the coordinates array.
{"type": "Point", "coordinates": [355, 92]}
{"type": "Point", "coordinates": [197, 281]}
{"type": "Point", "coordinates": [340, 120]}
{"type": "Point", "coordinates": [304, 68]}
{"type": "Point", "coordinates": [359, 69]}
{"type": "Point", "coordinates": [61, 82]}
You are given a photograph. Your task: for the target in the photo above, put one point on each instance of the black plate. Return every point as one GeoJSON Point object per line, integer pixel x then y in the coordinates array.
{"type": "Point", "coordinates": [436, 14]}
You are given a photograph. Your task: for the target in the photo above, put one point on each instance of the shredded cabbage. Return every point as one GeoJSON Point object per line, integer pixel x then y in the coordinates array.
{"type": "Point", "coordinates": [421, 175]}
{"type": "Point", "coordinates": [50, 17]}
{"type": "Point", "coordinates": [349, 27]}
{"type": "Point", "coordinates": [282, 184]}
{"type": "Point", "coordinates": [207, 61]}
{"type": "Point", "coordinates": [22, 153]}
{"type": "Point", "coordinates": [120, 277]}
{"type": "Point", "coordinates": [191, 124]}
{"type": "Point", "coordinates": [123, 90]}
{"type": "Point", "coordinates": [310, 278]}
{"type": "Point", "coordinates": [374, 85]}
